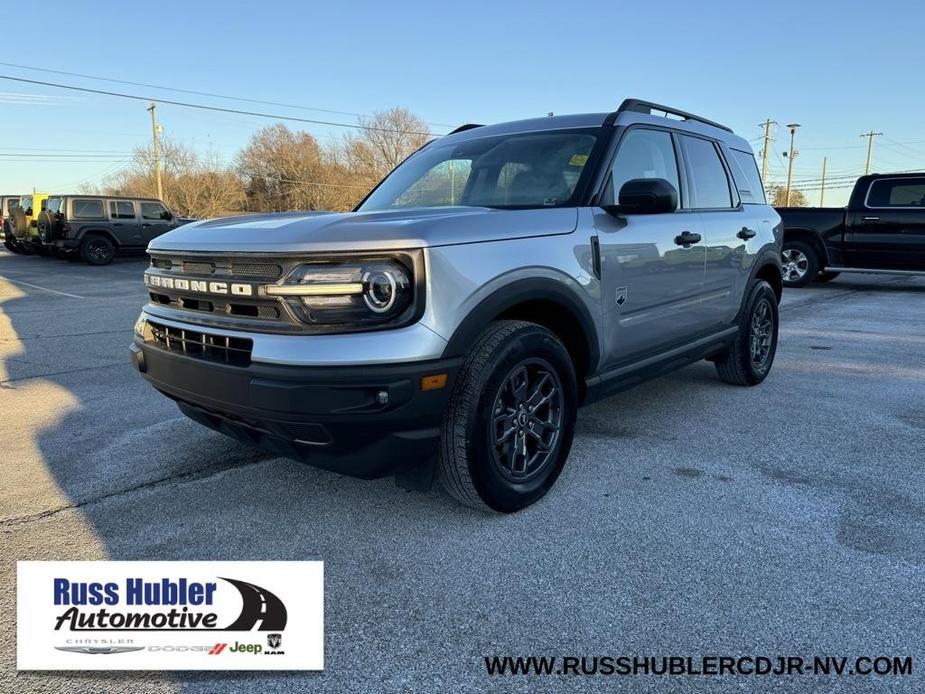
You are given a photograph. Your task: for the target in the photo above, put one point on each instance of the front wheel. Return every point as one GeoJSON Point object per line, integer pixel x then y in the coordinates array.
{"type": "Point", "coordinates": [509, 425]}
{"type": "Point", "coordinates": [748, 361]}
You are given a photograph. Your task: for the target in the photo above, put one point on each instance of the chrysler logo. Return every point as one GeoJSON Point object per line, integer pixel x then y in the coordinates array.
{"type": "Point", "coordinates": [100, 650]}
{"type": "Point", "coordinates": [200, 286]}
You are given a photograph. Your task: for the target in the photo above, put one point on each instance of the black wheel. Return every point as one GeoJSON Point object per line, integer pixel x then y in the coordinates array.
{"type": "Point", "coordinates": [97, 250]}
{"type": "Point", "coordinates": [748, 361]}
{"type": "Point", "coordinates": [509, 425]}
{"type": "Point", "coordinates": [799, 263]}
{"type": "Point", "coordinates": [827, 276]}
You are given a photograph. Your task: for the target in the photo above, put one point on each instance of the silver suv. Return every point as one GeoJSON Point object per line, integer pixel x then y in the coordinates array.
{"type": "Point", "coordinates": [495, 281]}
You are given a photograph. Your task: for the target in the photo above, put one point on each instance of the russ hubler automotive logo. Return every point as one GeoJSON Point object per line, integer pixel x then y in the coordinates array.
{"type": "Point", "coordinates": [170, 615]}
{"type": "Point", "coordinates": [185, 605]}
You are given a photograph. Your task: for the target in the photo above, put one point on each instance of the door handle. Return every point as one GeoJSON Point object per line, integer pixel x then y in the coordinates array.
{"type": "Point", "coordinates": [686, 238]}
{"type": "Point", "coordinates": [745, 233]}
{"type": "Point", "coordinates": [871, 219]}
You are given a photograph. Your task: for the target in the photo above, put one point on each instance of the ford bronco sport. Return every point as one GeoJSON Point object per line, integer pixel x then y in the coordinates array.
{"type": "Point", "coordinates": [497, 279]}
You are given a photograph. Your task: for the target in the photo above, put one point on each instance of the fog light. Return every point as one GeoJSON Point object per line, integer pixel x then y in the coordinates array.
{"type": "Point", "coordinates": [382, 397]}
{"type": "Point", "coordinates": [140, 326]}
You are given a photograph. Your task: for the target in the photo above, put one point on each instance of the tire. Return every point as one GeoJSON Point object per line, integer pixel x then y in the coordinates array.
{"type": "Point", "coordinates": [740, 365]}
{"type": "Point", "coordinates": [475, 464]}
{"type": "Point", "coordinates": [800, 263]}
{"type": "Point", "coordinates": [96, 249]}
{"type": "Point", "coordinates": [827, 276]}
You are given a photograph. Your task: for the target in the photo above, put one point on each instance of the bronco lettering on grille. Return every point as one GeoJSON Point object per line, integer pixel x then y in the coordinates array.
{"type": "Point", "coordinates": [200, 286]}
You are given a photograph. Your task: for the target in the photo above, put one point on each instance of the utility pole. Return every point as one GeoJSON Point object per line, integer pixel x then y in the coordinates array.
{"type": "Point", "coordinates": [825, 161]}
{"type": "Point", "coordinates": [155, 129]}
{"type": "Point", "coordinates": [793, 131]}
{"type": "Point", "coordinates": [766, 150]}
{"type": "Point", "coordinates": [870, 147]}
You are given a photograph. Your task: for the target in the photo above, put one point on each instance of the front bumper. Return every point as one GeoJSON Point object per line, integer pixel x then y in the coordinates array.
{"type": "Point", "coordinates": [328, 416]}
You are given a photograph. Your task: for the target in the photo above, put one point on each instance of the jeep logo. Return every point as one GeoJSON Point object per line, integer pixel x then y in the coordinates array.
{"type": "Point", "coordinates": [199, 286]}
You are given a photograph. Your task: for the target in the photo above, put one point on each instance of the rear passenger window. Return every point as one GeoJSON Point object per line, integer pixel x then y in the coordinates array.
{"type": "Point", "coordinates": [88, 209]}
{"type": "Point", "coordinates": [121, 209]}
{"type": "Point", "coordinates": [748, 181]}
{"type": "Point", "coordinates": [644, 154]}
{"type": "Point", "coordinates": [153, 210]}
{"type": "Point", "coordinates": [897, 192]}
{"type": "Point", "coordinates": [709, 184]}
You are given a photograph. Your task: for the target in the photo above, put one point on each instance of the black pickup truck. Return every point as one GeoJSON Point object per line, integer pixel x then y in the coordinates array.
{"type": "Point", "coordinates": [882, 230]}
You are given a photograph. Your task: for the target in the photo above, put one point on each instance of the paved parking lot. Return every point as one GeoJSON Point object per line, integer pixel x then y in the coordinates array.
{"type": "Point", "coordinates": [693, 517]}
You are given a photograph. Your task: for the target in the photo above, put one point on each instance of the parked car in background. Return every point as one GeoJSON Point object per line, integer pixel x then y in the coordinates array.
{"type": "Point", "coordinates": [882, 230]}
{"type": "Point", "coordinates": [24, 223]}
{"type": "Point", "coordinates": [96, 227]}
{"type": "Point", "coordinates": [7, 203]}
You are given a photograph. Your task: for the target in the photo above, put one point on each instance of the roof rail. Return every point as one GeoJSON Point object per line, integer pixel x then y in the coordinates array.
{"type": "Point", "coordinates": [467, 126]}
{"type": "Point", "coordinates": [640, 106]}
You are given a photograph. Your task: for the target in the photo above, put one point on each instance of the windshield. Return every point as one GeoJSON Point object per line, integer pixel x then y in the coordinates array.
{"type": "Point", "coordinates": [523, 170]}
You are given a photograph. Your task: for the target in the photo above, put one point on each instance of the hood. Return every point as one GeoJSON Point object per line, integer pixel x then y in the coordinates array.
{"type": "Point", "coordinates": [293, 232]}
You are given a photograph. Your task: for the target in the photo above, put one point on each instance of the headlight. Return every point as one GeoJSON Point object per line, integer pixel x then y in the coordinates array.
{"type": "Point", "coordinates": [361, 293]}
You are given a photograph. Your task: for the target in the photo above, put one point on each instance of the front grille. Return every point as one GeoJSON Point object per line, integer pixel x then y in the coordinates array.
{"type": "Point", "coordinates": [255, 269]}
{"type": "Point", "coordinates": [228, 350]}
{"type": "Point", "coordinates": [263, 271]}
{"type": "Point", "coordinates": [246, 269]}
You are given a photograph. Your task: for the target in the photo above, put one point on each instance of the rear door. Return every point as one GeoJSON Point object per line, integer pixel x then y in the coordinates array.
{"type": "Point", "coordinates": [651, 281]}
{"type": "Point", "coordinates": [726, 223]}
{"type": "Point", "coordinates": [126, 225]}
{"type": "Point", "coordinates": [888, 232]}
{"type": "Point", "coordinates": [155, 220]}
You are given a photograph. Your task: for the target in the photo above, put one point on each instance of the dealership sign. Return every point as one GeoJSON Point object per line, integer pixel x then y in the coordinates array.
{"type": "Point", "coordinates": [162, 615]}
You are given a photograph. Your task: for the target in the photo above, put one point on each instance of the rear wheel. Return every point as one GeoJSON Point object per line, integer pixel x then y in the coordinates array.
{"type": "Point", "coordinates": [509, 425]}
{"type": "Point", "coordinates": [96, 249]}
{"type": "Point", "coordinates": [799, 263]}
{"type": "Point", "coordinates": [748, 361]}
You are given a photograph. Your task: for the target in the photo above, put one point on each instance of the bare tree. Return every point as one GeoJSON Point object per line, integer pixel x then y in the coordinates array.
{"type": "Point", "coordinates": [193, 187]}
{"type": "Point", "coordinates": [387, 139]}
{"type": "Point", "coordinates": [778, 195]}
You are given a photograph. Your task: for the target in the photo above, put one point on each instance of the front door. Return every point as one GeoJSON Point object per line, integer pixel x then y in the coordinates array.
{"type": "Point", "coordinates": [888, 233]}
{"type": "Point", "coordinates": [652, 265]}
{"type": "Point", "coordinates": [155, 220]}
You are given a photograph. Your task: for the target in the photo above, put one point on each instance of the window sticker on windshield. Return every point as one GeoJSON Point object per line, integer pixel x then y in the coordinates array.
{"type": "Point", "coordinates": [578, 160]}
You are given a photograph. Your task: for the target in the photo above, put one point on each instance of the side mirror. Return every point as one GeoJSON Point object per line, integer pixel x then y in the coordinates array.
{"type": "Point", "coordinates": [645, 196]}
{"type": "Point", "coordinates": [168, 216]}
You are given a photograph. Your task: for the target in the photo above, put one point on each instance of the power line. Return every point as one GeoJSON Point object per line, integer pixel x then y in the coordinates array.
{"type": "Point", "coordinates": [213, 108]}
{"type": "Point", "coordinates": [197, 93]}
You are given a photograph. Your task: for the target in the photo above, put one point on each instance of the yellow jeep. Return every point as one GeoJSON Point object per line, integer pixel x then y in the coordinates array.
{"type": "Point", "coordinates": [24, 224]}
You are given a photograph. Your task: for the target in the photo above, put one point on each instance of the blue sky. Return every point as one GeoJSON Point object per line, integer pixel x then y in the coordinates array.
{"type": "Point", "coordinates": [838, 69]}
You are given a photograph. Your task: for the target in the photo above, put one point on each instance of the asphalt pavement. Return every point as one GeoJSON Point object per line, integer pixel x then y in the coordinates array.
{"type": "Point", "coordinates": [692, 517]}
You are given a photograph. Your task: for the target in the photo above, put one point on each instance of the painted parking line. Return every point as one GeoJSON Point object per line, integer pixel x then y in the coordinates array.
{"type": "Point", "coordinates": [44, 289]}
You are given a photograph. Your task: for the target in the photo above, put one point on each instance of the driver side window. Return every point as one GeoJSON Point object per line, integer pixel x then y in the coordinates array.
{"type": "Point", "coordinates": [643, 154]}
